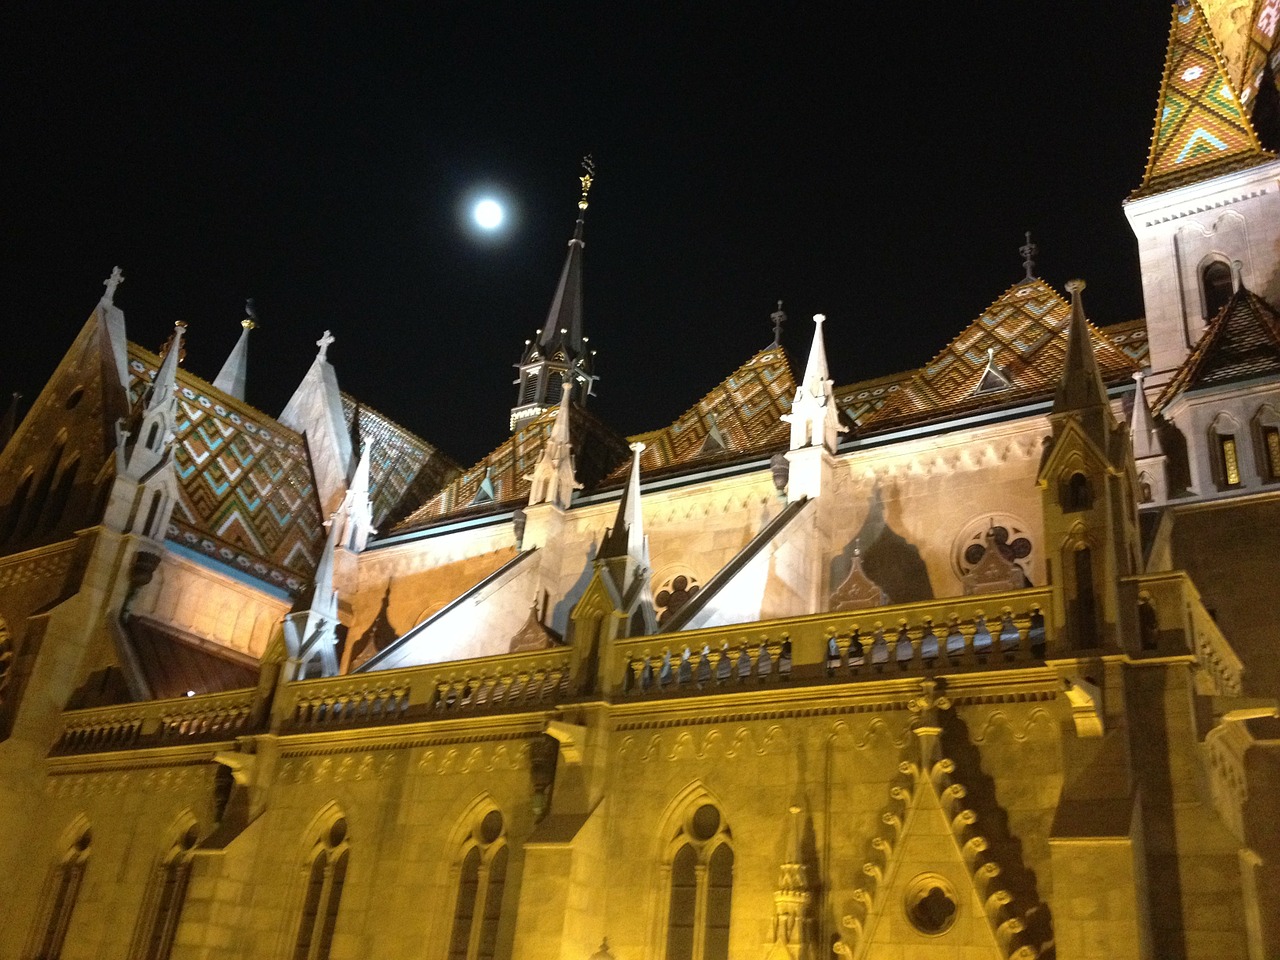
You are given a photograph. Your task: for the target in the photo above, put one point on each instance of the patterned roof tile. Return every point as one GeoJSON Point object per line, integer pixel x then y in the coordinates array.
{"type": "Point", "coordinates": [1242, 342]}
{"type": "Point", "coordinates": [1201, 128]}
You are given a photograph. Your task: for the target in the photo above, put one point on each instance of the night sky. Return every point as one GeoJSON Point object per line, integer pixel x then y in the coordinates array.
{"type": "Point", "coordinates": [875, 162]}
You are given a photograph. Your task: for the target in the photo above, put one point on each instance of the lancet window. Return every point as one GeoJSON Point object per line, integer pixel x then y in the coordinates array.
{"type": "Point", "coordinates": [162, 909]}
{"type": "Point", "coordinates": [700, 887]}
{"type": "Point", "coordinates": [326, 874]}
{"type": "Point", "coordinates": [480, 884]}
{"type": "Point", "coordinates": [1215, 284]}
{"type": "Point", "coordinates": [62, 890]}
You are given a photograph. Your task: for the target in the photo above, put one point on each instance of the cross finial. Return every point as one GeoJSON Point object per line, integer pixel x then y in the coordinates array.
{"type": "Point", "coordinates": [250, 321]}
{"type": "Point", "coordinates": [1029, 251]}
{"type": "Point", "coordinates": [323, 344]}
{"type": "Point", "coordinates": [113, 281]}
{"type": "Point", "coordinates": [778, 318]}
{"type": "Point", "coordinates": [588, 175]}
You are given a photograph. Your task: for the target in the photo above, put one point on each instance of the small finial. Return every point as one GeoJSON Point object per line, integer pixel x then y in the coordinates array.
{"type": "Point", "coordinates": [638, 447]}
{"type": "Point", "coordinates": [1029, 251]}
{"type": "Point", "coordinates": [778, 318]}
{"type": "Point", "coordinates": [588, 176]}
{"type": "Point", "coordinates": [1074, 287]}
{"type": "Point", "coordinates": [819, 318]}
{"type": "Point", "coordinates": [1237, 275]}
{"type": "Point", "coordinates": [250, 321]}
{"type": "Point", "coordinates": [113, 281]}
{"type": "Point", "coordinates": [323, 344]}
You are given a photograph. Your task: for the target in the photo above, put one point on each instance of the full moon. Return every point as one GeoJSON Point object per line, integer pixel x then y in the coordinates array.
{"type": "Point", "coordinates": [487, 214]}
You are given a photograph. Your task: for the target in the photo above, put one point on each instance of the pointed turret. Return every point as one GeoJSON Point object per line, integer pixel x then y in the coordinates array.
{"type": "Point", "coordinates": [310, 630]}
{"type": "Point", "coordinates": [1148, 452]}
{"type": "Point", "coordinates": [559, 352]}
{"type": "Point", "coordinates": [356, 513]}
{"type": "Point", "coordinates": [146, 487]}
{"type": "Point", "coordinates": [113, 317]}
{"type": "Point", "coordinates": [553, 477]}
{"type": "Point", "coordinates": [315, 409]}
{"type": "Point", "coordinates": [623, 558]}
{"type": "Point", "coordinates": [231, 378]}
{"type": "Point", "coordinates": [814, 418]}
{"type": "Point", "coordinates": [1080, 387]}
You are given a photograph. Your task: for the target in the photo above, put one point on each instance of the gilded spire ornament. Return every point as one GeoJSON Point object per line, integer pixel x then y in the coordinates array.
{"type": "Point", "coordinates": [587, 178]}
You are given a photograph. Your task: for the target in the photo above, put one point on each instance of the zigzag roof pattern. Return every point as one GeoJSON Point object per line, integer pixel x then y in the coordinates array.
{"type": "Point", "coordinates": [247, 494]}
{"type": "Point", "coordinates": [744, 410]}
{"type": "Point", "coordinates": [1023, 334]}
{"type": "Point", "coordinates": [1242, 342]}
{"type": "Point", "coordinates": [1246, 34]}
{"type": "Point", "coordinates": [1201, 128]}
{"type": "Point", "coordinates": [501, 477]}
{"type": "Point", "coordinates": [404, 470]}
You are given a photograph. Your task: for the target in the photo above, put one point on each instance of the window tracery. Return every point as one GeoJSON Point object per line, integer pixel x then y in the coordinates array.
{"type": "Point", "coordinates": [326, 875]}
{"type": "Point", "coordinates": [158, 924]}
{"type": "Point", "coordinates": [700, 886]}
{"type": "Point", "coordinates": [673, 593]}
{"type": "Point", "coordinates": [62, 890]}
{"type": "Point", "coordinates": [480, 884]}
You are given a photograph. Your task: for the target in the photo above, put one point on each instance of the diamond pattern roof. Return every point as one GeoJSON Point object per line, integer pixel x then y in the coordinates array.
{"type": "Point", "coordinates": [247, 494]}
{"type": "Point", "coordinates": [745, 410]}
{"type": "Point", "coordinates": [1246, 34]}
{"type": "Point", "coordinates": [1242, 342]}
{"type": "Point", "coordinates": [1201, 127]}
{"type": "Point", "coordinates": [1026, 332]}
{"type": "Point", "coordinates": [404, 470]}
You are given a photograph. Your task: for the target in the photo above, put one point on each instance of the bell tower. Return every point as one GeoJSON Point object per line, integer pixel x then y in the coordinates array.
{"type": "Point", "coordinates": [559, 353]}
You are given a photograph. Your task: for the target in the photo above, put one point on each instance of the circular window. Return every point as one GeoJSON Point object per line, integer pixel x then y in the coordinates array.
{"type": "Point", "coordinates": [993, 531]}
{"type": "Point", "coordinates": [490, 827]}
{"type": "Point", "coordinates": [74, 399]}
{"type": "Point", "coordinates": [931, 904]}
{"type": "Point", "coordinates": [705, 822]}
{"type": "Point", "coordinates": [674, 592]}
{"type": "Point", "coordinates": [337, 832]}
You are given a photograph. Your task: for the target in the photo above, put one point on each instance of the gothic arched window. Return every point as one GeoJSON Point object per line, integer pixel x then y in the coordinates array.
{"type": "Point", "coordinates": [481, 883]}
{"type": "Point", "coordinates": [1215, 282]}
{"type": "Point", "coordinates": [162, 909]}
{"type": "Point", "coordinates": [62, 493]}
{"type": "Point", "coordinates": [326, 875]}
{"type": "Point", "coordinates": [1078, 494]}
{"type": "Point", "coordinates": [700, 889]}
{"type": "Point", "coordinates": [14, 510]}
{"type": "Point", "coordinates": [61, 892]}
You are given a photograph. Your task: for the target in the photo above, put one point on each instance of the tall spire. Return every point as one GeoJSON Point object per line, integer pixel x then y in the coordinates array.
{"type": "Point", "coordinates": [559, 352]}
{"type": "Point", "coordinates": [315, 409]}
{"type": "Point", "coordinates": [356, 513]}
{"type": "Point", "coordinates": [814, 419]}
{"type": "Point", "coordinates": [1080, 388]}
{"type": "Point", "coordinates": [310, 629]}
{"type": "Point", "coordinates": [1202, 128]}
{"type": "Point", "coordinates": [626, 537]}
{"type": "Point", "coordinates": [1142, 425]}
{"type": "Point", "coordinates": [231, 378]}
{"type": "Point", "coordinates": [553, 476]}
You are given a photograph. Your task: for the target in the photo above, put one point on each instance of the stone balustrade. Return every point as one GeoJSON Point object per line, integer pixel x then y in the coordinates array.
{"type": "Point", "coordinates": [1173, 620]}
{"type": "Point", "coordinates": [198, 719]}
{"type": "Point", "coordinates": [961, 633]}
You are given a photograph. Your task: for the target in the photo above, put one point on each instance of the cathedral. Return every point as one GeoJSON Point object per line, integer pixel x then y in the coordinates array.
{"type": "Point", "coordinates": [973, 661]}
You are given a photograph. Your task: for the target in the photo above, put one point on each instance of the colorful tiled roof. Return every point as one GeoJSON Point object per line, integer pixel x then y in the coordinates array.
{"type": "Point", "coordinates": [1241, 343]}
{"type": "Point", "coordinates": [858, 400]}
{"type": "Point", "coordinates": [745, 410]}
{"type": "Point", "coordinates": [247, 494]}
{"type": "Point", "coordinates": [1025, 331]}
{"type": "Point", "coordinates": [1131, 337]}
{"type": "Point", "coordinates": [1246, 34]}
{"type": "Point", "coordinates": [404, 470]}
{"type": "Point", "coordinates": [1201, 127]}
{"type": "Point", "coordinates": [596, 448]}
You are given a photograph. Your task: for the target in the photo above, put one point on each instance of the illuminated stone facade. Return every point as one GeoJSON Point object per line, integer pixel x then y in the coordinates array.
{"type": "Point", "coordinates": [974, 661]}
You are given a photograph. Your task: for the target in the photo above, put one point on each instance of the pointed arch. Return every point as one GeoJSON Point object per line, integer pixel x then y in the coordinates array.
{"type": "Point", "coordinates": [478, 855]}
{"type": "Point", "coordinates": [166, 893]}
{"type": "Point", "coordinates": [696, 863]}
{"type": "Point", "coordinates": [62, 492]}
{"type": "Point", "coordinates": [1225, 450]}
{"type": "Point", "coordinates": [326, 853]}
{"type": "Point", "coordinates": [1266, 431]}
{"type": "Point", "coordinates": [61, 891]}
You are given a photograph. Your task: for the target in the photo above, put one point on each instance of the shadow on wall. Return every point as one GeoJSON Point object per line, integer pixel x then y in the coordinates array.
{"type": "Point", "coordinates": [560, 612]}
{"type": "Point", "coordinates": [888, 558]}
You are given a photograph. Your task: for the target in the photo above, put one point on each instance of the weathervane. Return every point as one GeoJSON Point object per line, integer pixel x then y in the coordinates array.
{"type": "Point", "coordinates": [589, 173]}
{"type": "Point", "coordinates": [1029, 251]}
{"type": "Point", "coordinates": [250, 321]}
{"type": "Point", "coordinates": [778, 318]}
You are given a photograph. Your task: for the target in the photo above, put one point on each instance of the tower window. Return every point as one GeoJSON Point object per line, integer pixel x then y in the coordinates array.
{"type": "Point", "coordinates": [1215, 280]}
{"type": "Point", "coordinates": [1271, 448]}
{"type": "Point", "coordinates": [1228, 459]}
{"type": "Point", "coordinates": [1078, 494]}
{"type": "Point", "coordinates": [167, 896]}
